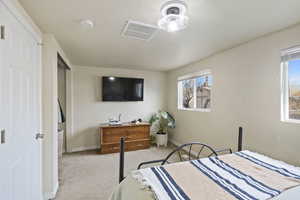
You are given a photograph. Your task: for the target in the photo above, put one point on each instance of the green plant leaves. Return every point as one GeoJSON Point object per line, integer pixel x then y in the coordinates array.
{"type": "Point", "coordinates": [162, 120]}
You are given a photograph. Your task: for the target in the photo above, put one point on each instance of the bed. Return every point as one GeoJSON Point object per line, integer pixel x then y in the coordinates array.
{"type": "Point", "coordinates": [241, 175]}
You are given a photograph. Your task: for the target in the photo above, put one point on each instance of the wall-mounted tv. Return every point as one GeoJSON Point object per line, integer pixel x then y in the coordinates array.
{"type": "Point", "coordinates": [122, 89]}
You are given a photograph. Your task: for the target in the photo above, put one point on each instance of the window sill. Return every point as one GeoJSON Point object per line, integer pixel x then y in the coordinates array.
{"type": "Point", "coordinates": [195, 109]}
{"type": "Point", "coordinates": [292, 121]}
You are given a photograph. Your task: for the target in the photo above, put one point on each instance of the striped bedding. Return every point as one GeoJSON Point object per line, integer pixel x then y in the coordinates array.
{"type": "Point", "coordinates": [243, 175]}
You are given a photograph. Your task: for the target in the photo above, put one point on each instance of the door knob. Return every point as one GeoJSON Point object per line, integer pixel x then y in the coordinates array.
{"type": "Point", "coordinates": [39, 136]}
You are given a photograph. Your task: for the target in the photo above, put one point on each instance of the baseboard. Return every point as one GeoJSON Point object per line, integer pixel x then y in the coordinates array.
{"type": "Point", "coordinates": [51, 195]}
{"type": "Point", "coordinates": [77, 149]}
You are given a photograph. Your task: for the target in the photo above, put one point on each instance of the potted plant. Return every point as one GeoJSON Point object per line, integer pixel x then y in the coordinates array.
{"type": "Point", "coordinates": [161, 122]}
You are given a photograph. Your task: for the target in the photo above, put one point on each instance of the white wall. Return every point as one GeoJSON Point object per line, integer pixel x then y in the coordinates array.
{"type": "Point", "coordinates": [49, 113]}
{"type": "Point", "coordinates": [246, 92]}
{"type": "Point", "coordinates": [89, 111]}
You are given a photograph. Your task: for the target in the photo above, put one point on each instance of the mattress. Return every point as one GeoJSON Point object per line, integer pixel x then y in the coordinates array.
{"type": "Point", "coordinates": [283, 177]}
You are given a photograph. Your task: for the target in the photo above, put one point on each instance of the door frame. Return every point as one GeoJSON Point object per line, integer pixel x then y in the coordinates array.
{"type": "Point", "coordinates": [50, 50]}
{"type": "Point", "coordinates": [21, 15]}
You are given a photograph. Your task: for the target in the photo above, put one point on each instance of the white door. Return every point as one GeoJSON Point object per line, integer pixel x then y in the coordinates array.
{"type": "Point", "coordinates": [20, 162]}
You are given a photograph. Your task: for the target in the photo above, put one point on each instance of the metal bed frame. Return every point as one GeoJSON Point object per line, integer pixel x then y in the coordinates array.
{"type": "Point", "coordinates": [178, 151]}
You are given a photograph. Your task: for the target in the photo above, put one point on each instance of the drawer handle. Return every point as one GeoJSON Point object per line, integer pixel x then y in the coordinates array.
{"type": "Point", "coordinates": [115, 148]}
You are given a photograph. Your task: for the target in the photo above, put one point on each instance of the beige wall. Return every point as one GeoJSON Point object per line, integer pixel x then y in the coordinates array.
{"type": "Point", "coordinates": [89, 110]}
{"type": "Point", "coordinates": [246, 92]}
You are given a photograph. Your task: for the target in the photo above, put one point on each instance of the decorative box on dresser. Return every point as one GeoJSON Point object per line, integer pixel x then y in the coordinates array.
{"type": "Point", "coordinates": [137, 136]}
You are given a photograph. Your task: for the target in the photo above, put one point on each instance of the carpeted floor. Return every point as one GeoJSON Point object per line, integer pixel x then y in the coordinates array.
{"type": "Point", "coordinates": [90, 176]}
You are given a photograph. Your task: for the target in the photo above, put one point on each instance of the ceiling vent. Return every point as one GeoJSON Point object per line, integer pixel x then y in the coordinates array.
{"type": "Point", "coordinates": [139, 30]}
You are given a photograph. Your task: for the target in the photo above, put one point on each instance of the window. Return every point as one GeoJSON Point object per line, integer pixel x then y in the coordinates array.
{"type": "Point", "coordinates": [291, 85]}
{"type": "Point", "coordinates": [194, 91]}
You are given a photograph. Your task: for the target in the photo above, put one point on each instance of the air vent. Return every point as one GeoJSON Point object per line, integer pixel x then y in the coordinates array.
{"type": "Point", "coordinates": [139, 30]}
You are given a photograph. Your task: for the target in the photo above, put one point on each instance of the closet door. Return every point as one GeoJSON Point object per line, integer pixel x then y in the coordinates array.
{"type": "Point", "coordinates": [20, 168]}
{"type": "Point", "coordinates": [4, 147]}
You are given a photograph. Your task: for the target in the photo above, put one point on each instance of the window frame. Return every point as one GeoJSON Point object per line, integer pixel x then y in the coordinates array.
{"type": "Point", "coordinates": [285, 83]}
{"type": "Point", "coordinates": [193, 76]}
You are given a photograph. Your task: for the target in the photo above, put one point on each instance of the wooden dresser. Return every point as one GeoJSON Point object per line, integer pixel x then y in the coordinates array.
{"type": "Point", "coordinates": [137, 136]}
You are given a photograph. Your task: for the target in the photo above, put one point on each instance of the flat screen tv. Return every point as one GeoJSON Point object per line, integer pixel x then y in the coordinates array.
{"type": "Point", "coordinates": [122, 89]}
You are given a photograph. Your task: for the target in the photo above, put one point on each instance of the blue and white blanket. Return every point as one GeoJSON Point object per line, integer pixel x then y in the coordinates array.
{"type": "Point", "coordinates": [243, 175]}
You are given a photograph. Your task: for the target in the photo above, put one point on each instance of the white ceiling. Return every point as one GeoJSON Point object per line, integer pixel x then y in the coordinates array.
{"type": "Point", "coordinates": [214, 25]}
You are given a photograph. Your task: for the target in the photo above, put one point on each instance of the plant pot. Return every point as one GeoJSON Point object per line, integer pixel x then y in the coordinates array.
{"type": "Point", "coordinates": [161, 139]}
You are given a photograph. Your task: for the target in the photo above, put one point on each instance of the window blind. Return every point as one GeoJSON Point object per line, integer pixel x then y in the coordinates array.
{"type": "Point", "coordinates": [194, 75]}
{"type": "Point", "coordinates": [291, 54]}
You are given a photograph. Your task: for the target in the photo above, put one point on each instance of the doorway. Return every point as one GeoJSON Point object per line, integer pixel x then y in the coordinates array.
{"type": "Point", "coordinates": [62, 67]}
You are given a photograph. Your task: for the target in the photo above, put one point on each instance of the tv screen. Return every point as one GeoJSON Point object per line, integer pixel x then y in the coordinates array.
{"type": "Point", "coordinates": [122, 89]}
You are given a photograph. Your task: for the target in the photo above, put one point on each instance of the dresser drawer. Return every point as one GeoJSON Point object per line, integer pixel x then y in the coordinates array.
{"type": "Point", "coordinates": [136, 137]}
{"type": "Point", "coordinates": [110, 148]}
{"type": "Point", "coordinates": [136, 145]}
{"type": "Point", "coordinates": [112, 135]}
{"type": "Point", "coordinates": [129, 146]}
{"type": "Point", "coordinates": [137, 133]}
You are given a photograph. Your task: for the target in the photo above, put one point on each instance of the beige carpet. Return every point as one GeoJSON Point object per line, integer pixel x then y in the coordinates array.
{"type": "Point", "coordinates": [90, 176]}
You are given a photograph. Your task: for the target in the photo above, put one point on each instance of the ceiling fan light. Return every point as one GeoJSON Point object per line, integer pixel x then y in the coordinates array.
{"type": "Point", "coordinates": [179, 6]}
{"type": "Point", "coordinates": [173, 23]}
{"type": "Point", "coordinates": [173, 26]}
{"type": "Point", "coordinates": [173, 16]}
